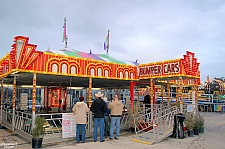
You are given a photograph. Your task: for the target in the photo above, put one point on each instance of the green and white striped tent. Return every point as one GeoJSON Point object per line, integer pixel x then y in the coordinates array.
{"type": "Point", "coordinates": [101, 57]}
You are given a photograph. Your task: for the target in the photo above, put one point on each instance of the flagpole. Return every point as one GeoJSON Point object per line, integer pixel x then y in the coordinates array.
{"type": "Point", "coordinates": [107, 48]}
{"type": "Point", "coordinates": [65, 32]}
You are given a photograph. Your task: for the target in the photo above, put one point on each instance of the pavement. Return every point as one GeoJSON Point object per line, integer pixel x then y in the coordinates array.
{"type": "Point", "coordinates": [213, 138]}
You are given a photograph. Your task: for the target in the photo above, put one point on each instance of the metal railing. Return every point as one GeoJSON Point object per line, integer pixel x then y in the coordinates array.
{"type": "Point", "coordinates": [156, 125]}
{"type": "Point", "coordinates": [142, 119]}
{"type": "Point", "coordinates": [210, 107]}
{"type": "Point", "coordinates": [162, 114]}
{"type": "Point", "coordinates": [163, 122]}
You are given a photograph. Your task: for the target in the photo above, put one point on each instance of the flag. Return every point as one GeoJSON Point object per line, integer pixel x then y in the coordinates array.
{"type": "Point", "coordinates": [64, 31]}
{"type": "Point", "coordinates": [136, 61]}
{"type": "Point", "coordinates": [106, 43]}
{"type": "Point", "coordinates": [104, 46]}
{"type": "Point", "coordinates": [90, 51]}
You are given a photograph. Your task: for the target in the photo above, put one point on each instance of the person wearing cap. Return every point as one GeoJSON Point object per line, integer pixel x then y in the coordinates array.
{"type": "Point", "coordinates": [106, 117]}
{"type": "Point", "coordinates": [116, 107]}
{"type": "Point", "coordinates": [80, 110]}
{"type": "Point", "coordinates": [98, 107]}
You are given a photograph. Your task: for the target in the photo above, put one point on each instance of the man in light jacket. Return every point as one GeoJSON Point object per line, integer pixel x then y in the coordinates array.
{"type": "Point", "coordinates": [80, 110]}
{"type": "Point", "coordinates": [116, 107]}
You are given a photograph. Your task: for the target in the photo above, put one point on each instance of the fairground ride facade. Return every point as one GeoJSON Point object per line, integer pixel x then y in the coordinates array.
{"type": "Point", "coordinates": [24, 65]}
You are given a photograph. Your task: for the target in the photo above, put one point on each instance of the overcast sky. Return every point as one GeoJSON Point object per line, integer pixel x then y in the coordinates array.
{"type": "Point", "coordinates": [147, 30]}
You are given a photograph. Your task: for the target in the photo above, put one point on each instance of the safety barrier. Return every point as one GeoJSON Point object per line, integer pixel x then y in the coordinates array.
{"type": "Point", "coordinates": [146, 113]}
{"type": "Point", "coordinates": [151, 127]}
{"type": "Point", "coordinates": [21, 124]}
{"type": "Point", "coordinates": [164, 121]}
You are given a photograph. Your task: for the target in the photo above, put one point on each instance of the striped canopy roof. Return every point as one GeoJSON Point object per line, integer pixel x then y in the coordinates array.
{"type": "Point", "coordinates": [101, 57]}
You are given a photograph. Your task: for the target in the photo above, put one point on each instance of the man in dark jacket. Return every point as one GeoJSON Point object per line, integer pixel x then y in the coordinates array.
{"type": "Point", "coordinates": [98, 107]}
{"type": "Point", "coordinates": [147, 100]}
{"type": "Point", "coordinates": [106, 118]}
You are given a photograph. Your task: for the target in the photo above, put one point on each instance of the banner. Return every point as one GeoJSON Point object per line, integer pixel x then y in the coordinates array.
{"type": "Point", "coordinates": [68, 125]}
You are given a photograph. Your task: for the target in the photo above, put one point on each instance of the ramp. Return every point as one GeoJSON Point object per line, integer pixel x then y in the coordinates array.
{"type": "Point", "coordinates": [150, 131]}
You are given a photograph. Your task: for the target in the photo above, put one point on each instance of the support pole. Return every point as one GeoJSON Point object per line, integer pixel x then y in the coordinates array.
{"type": "Point", "coordinates": [90, 93]}
{"type": "Point", "coordinates": [2, 96]}
{"type": "Point", "coordinates": [69, 95]}
{"type": "Point", "coordinates": [14, 103]}
{"type": "Point", "coordinates": [18, 95]}
{"type": "Point", "coordinates": [181, 94]}
{"type": "Point", "coordinates": [7, 93]}
{"type": "Point", "coordinates": [193, 97]}
{"type": "Point", "coordinates": [132, 84]}
{"type": "Point", "coordinates": [168, 92]}
{"type": "Point", "coordinates": [33, 100]}
{"type": "Point", "coordinates": [176, 94]}
{"type": "Point", "coordinates": [196, 94]}
{"type": "Point", "coordinates": [154, 93]}
{"type": "Point", "coordinates": [152, 109]}
{"type": "Point", "coordinates": [7, 98]}
{"type": "Point", "coordinates": [119, 95]}
{"type": "Point", "coordinates": [151, 96]}
{"type": "Point", "coordinates": [162, 92]}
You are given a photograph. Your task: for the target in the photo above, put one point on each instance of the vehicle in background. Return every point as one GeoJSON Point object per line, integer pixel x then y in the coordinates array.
{"type": "Point", "coordinates": [38, 105]}
{"type": "Point", "coordinates": [8, 104]}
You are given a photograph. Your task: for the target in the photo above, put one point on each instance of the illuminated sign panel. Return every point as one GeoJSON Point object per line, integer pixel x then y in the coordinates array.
{"type": "Point", "coordinates": [160, 69]}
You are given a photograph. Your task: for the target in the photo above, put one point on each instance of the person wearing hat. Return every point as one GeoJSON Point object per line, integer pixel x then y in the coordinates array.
{"type": "Point", "coordinates": [98, 107]}
{"type": "Point", "coordinates": [80, 110]}
{"type": "Point", "coordinates": [116, 107]}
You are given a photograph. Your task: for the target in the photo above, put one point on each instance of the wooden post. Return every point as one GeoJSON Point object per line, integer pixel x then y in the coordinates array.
{"type": "Point", "coordinates": [33, 99]}
{"type": "Point", "coordinates": [14, 103]}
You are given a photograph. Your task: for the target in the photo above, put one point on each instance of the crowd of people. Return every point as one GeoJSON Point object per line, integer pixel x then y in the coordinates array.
{"type": "Point", "coordinates": [105, 113]}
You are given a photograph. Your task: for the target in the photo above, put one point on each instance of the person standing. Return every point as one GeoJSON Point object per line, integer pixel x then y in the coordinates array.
{"type": "Point", "coordinates": [106, 118]}
{"type": "Point", "coordinates": [147, 100]}
{"type": "Point", "coordinates": [80, 110]}
{"type": "Point", "coordinates": [98, 107]}
{"type": "Point", "coordinates": [116, 107]}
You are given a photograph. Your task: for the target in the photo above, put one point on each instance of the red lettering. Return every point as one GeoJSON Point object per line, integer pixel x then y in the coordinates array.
{"type": "Point", "coordinates": [159, 70]}
{"type": "Point", "coordinates": [168, 68]}
{"type": "Point", "coordinates": [141, 71]}
{"type": "Point", "coordinates": [155, 70]}
{"type": "Point", "coordinates": [147, 70]}
{"type": "Point", "coordinates": [150, 70]}
{"type": "Point", "coordinates": [177, 67]}
{"type": "Point", "coordinates": [172, 68]}
{"type": "Point", "coordinates": [165, 69]}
